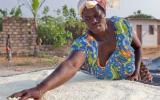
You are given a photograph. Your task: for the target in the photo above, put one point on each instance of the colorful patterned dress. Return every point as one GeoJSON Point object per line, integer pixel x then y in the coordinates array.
{"type": "Point", "coordinates": [120, 64]}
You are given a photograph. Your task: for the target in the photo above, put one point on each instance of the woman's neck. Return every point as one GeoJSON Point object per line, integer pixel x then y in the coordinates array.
{"type": "Point", "coordinates": [102, 35]}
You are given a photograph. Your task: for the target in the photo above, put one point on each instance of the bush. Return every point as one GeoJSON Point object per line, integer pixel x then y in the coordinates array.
{"type": "Point", "coordinates": [75, 26]}
{"type": "Point", "coordinates": [72, 23]}
{"type": "Point", "coordinates": [60, 30]}
{"type": "Point", "coordinates": [52, 31]}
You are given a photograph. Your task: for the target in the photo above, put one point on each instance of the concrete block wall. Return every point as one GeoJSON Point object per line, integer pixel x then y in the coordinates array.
{"type": "Point", "coordinates": [22, 35]}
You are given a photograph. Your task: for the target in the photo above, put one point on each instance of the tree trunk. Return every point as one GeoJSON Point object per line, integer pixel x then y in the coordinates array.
{"type": "Point", "coordinates": [8, 49]}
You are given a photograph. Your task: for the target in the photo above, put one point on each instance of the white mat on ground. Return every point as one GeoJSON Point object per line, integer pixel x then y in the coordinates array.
{"type": "Point", "coordinates": [81, 87]}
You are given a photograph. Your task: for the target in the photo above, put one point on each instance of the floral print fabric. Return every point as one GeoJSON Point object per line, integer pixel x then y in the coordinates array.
{"type": "Point", "coordinates": [120, 64]}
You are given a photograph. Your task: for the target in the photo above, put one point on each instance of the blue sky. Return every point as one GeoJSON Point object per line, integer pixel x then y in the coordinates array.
{"type": "Point", "coordinates": [127, 7]}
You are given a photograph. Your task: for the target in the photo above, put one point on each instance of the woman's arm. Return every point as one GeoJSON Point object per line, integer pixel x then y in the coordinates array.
{"type": "Point", "coordinates": [136, 44]}
{"type": "Point", "coordinates": [62, 73]}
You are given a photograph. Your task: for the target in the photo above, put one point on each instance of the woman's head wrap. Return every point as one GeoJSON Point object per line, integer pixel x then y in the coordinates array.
{"type": "Point", "coordinates": [91, 4]}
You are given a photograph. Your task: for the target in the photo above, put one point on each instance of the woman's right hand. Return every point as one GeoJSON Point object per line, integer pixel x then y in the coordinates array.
{"type": "Point", "coordinates": [34, 93]}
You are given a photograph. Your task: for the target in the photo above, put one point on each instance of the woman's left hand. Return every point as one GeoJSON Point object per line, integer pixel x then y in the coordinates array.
{"type": "Point", "coordinates": [134, 77]}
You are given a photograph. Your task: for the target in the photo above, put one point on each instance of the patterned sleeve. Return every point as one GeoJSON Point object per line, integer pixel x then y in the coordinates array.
{"type": "Point", "coordinates": [122, 26]}
{"type": "Point", "coordinates": [129, 28]}
{"type": "Point", "coordinates": [79, 44]}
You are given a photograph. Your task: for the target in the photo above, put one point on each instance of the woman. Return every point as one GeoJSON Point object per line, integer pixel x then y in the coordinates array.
{"type": "Point", "coordinates": [108, 50]}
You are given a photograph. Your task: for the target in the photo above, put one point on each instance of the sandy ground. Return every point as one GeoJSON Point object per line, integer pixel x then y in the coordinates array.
{"type": "Point", "coordinates": [21, 65]}
{"type": "Point", "coordinates": [22, 74]}
{"type": "Point", "coordinates": [16, 70]}
{"type": "Point", "coordinates": [81, 87]}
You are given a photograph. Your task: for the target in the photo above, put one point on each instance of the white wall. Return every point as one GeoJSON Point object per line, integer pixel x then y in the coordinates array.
{"type": "Point", "coordinates": [148, 40]}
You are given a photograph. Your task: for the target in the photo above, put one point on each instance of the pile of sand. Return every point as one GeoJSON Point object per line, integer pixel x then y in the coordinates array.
{"type": "Point", "coordinates": [81, 87]}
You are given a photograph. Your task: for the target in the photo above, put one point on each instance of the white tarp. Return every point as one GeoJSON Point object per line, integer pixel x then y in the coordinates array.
{"type": "Point", "coordinates": [81, 87]}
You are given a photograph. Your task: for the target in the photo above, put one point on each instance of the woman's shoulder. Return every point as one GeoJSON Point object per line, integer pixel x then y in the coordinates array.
{"type": "Point", "coordinates": [81, 38]}
{"type": "Point", "coordinates": [116, 19]}
{"type": "Point", "coordinates": [80, 44]}
{"type": "Point", "coordinates": [80, 41]}
{"type": "Point", "coordinates": [86, 37]}
{"type": "Point", "coordinates": [120, 22]}
{"type": "Point", "coordinates": [122, 25]}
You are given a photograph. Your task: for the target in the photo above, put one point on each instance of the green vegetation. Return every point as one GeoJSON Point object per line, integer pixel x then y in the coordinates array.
{"type": "Point", "coordinates": [72, 23]}
{"type": "Point", "coordinates": [62, 29]}
{"type": "Point", "coordinates": [45, 60]}
{"type": "Point", "coordinates": [52, 30]}
{"type": "Point", "coordinates": [139, 14]}
{"type": "Point", "coordinates": [3, 13]}
{"type": "Point", "coordinates": [15, 12]}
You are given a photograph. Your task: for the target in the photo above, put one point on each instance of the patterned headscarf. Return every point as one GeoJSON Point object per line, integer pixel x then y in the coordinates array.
{"type": "Point", "coordinates": [91, 4]}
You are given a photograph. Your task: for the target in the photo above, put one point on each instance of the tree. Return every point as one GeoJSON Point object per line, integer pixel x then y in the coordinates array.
{"type": "Point", "coordinates": [72, 23]}
{"type": "Point", "coordinates": [1, 23]}
{"type": "Point", "coordinates": [139, 14]}
{"type": "Point", "coordinates": [3, 13]}
{"type": "Point", "coordinates": [61, 29]}
{"type": "Point", "coordinates": [16, 11]}
{"type": "Point", "coordinates": [52, 31]}
{"type": "Point", "coordinates": [34, 6]}
{"type": "Point", "coordinates": [45, 10]}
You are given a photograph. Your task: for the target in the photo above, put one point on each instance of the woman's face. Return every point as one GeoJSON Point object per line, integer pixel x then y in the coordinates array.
{"type": "Point", "coordinates": [95, 19]}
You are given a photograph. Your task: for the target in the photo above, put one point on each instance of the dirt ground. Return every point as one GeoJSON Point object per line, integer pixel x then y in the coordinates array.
{"type": "Point", "coordinates": [20, 65]}
{"type": "Point", "coordinates": [151, 53]}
